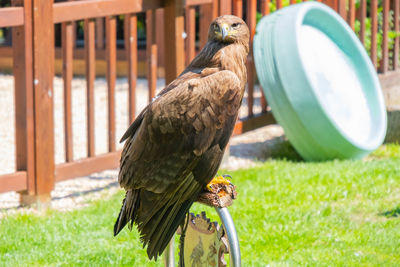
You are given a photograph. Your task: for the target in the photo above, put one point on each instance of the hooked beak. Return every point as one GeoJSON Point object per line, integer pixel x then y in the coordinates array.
{"type": "Point", "coordinates": [224, 31]}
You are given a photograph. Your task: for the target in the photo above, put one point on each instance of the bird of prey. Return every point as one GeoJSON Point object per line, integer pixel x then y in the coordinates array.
{"type": "Point", "coordinates": [174, 147]}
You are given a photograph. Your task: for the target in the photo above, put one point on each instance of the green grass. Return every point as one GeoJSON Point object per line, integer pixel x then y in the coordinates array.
{"type": "Point", "coordinates": [337, 213]}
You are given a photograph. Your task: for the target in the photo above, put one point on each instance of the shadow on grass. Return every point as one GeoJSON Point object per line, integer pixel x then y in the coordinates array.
{"type": "Point", "coordinates": [275, 148]}
{"type": "Point", "coordinates": [75, 194]}
{"type": "Point", "coordinates": [394, 213]}
{"type": "Point", "coordinates": [86, 192]}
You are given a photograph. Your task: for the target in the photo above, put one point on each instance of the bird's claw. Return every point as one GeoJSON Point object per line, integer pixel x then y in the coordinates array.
{"type": "Point", "coordinates": [209, 187]}
{"type": "Point", "coordinates": [227, 175]}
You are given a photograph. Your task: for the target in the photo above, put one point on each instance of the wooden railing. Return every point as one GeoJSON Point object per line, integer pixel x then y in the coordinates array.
{"type": "Point", "coordinates": [33, 69]}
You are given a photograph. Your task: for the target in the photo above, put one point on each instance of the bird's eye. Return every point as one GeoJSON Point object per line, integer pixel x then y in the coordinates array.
{"type": "Point", "coordinates": [235, 25]}
{"type": "Point", "coordinates": [216, 27]}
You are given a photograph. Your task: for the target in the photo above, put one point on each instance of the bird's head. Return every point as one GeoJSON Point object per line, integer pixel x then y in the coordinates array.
{"type": "Point", "coordinates": [228, 29]}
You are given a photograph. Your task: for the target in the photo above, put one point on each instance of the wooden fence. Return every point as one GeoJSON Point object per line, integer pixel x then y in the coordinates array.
{"type": "Point", "coordinates": [33, 69]}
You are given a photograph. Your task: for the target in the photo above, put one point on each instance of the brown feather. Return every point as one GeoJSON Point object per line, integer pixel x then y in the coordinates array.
{"type": "Point", "coordinates": [175, 146]}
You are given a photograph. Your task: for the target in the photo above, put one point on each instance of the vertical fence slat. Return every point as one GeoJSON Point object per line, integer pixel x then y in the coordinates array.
{"type": "Point", "coordinates": [160, 36]}
{"type": "Point", "coordinates": [90, 60]}
{"type": "Point", "coordinates": [111, 57]}
{"type": "Point", "coordinates": [67, 37]}
{"type": "Point", "coordinates": [100, 33]}
{"type": "Point", "coordinates": [251, 22]}
{"type": "Point", "coordinates": [131, 51]}
{"type": "Point", "coordinates": [264, 11]}
{"type": "Point", "coordinates": [374, 30]}
{"type": "Point", "coordinates": [331, 3]}
{"type": "Point", "coordinates": [174, 46]}
{"type": "Point", "coordinates": [352, 13]}
{"type": "Point", "coordinates": [24, 105]}
{"type": "Point", "coordinates": [341, 9]}
{"type": "Point", "coordinates": [238, 8]}
{"type": "Point", "coordinates": [384, 62]}
{"type": "Point", "coordinates": [363, 14]}
{"type": "Point", "coordinates": [151, 52]}
{"type": "Point", "coordinates": [43, 69]}
{"type": "Point", "coordinates": [214, 9]}
{"type": "Point", "coordinates": [190, 34]}
{"type": "Point", "coordinates": [265, 7]}
{"type": "Point", "coordinates": [225, 7]}
{"type": "Point", "coordinates": [278, 4]}
{"type": "Point", "coordinates": [74, 29]}
{"type": "Point", "coordinates": [396, 46]}
{"type": "Point", "coordinates": [204, 22]}
{"type": "Point", "coordinates": [208, 12]}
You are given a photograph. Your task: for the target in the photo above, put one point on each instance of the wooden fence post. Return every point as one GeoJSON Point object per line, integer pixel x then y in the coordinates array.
{"type": "Point", "coordinates": [190, 28]}
{"type": "Point", "coordinates": [90, 61]}
{"type": "Point", "coordinates": [174, 46]}
{"type": "Point", "coordinates": [67, 40]}
{"type": "Point", "coordinates": [225, 7]}
{"type": "Point", "coordinates": [374, 31]}
{"type": "Point", "coordinates": [238, 8]}
{"type": "Point", "coordinates": [251, 22]}
{"type": "Point", "coordinates": [43, 73]}
{"type": "Point", "coordinates": [331, 3]}
{"type": "Point", "coordinates": [208, 13]}
{"type": "Point", "coordinates": [384, 62]}
{"type": "Point", "coordinates": [342, 9]}
{"type": "Point", "coordinates": [23, 84]}
{"type": "Point", "coordinates": [160, 40]}
{"type": "Point", "coordinates": [111, 58]}
{"type": "Point", "coordinates": [131, 51]}
{"type": "Point", "coordinates": [100, 33]}
{"type": "Point", "coordinates": [151, 53]}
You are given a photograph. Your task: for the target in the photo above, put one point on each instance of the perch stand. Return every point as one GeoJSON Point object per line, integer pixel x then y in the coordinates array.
{"type": "Point", "coordinates": [198, 227]}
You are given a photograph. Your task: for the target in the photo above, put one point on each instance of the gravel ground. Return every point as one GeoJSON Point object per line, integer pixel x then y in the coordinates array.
{"type": "Point", "coordinates": [245, 150]}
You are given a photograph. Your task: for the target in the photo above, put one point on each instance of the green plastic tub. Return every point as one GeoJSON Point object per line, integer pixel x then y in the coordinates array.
{"type": "Point", "coordinates": [319, 82]}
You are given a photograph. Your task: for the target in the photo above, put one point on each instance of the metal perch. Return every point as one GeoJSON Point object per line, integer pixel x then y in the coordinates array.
{"type": "Point", "coordinates": [219, 200]}
{"type": "Point", "coordinates": [233, 241]}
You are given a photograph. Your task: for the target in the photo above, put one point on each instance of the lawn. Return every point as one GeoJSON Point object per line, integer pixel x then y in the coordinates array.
{"type": "Point", "coordinates": [288, 213]}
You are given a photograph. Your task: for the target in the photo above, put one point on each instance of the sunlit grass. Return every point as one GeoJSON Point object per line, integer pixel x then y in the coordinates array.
{"type": "Point", "coordinates": [337, 213]}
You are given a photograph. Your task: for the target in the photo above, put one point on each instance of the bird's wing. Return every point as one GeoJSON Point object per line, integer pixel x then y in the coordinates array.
{"type": "Point", "coordinates": [177, 129]}
{"type": "Point", "coordinates": [184, 77]}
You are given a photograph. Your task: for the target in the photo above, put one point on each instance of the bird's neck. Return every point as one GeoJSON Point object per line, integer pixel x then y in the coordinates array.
{"type": "Point", "coordinates": [233, 57]}
{"type": "Point", "coordinates": [225, 57]}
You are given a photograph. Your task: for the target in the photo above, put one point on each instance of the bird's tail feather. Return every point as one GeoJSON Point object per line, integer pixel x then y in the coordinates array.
{"type": "Point", "coordinates": [157, 216]}
{"type": "Point", "coordinates": [128, 211]}
{"type": "Point", "coordinates": [159, 229]}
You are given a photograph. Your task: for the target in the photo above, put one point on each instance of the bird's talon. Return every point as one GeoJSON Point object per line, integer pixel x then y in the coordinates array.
{"type": "Point", "coordinates": [227, 175]}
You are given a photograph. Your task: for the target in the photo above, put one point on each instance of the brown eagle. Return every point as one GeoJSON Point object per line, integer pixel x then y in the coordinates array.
{"type": "Point", "coordinates": [174, 147]}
